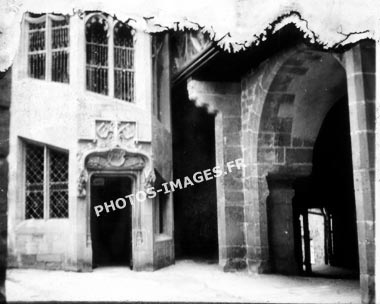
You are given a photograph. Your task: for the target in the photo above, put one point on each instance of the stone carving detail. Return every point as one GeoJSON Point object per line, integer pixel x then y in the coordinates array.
{"type": "Point", "coordinates": [126, 132]}
{"type": "Point", "coordinates": [140, 236]}
{"type": "Point", "coordinates": [96, 162]}
{"type": "Point", "coordinates": [85, 146]}
{"type": "Point", "coordinates": [117, 158]}
{"type": "Point", "coordinates": [105, 132]}
{"type": "Point", "coordinates": [115, 133]}
{"type": "Point", "coordinates": [150, 179]}
{"type": "Point", "coordinates": [134, 163]}
{"type": "Point", "coordinates": [82, 183]}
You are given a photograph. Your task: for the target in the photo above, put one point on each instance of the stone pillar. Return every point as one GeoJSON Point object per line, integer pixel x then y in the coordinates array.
{"type": "Point", "coordinates": [230, 194]}
{"type": "Point", "coordinates": [360, 68]}
{"type": "Point", "coordinates": [224, 100]}
{"type": "Point", "coordinates": [280, 225]}
{"type": "Point", "coordinates": [79, 257]}
{"type": "Point", "coordinates": [5, 101]}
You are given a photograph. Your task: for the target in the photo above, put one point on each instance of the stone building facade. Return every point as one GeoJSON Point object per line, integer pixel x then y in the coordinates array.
{"type": "Point", "coordinates": [84, 117]}
{"type": "Point", "coordinates": [302, 119]}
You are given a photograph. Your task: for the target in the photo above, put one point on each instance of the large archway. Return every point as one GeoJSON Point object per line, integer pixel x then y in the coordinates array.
{"type": "Point", "coordinates": [296, 96]}
{"type": "Point", "coordinates": [272, 85]}
{"type": "Point", "coordinates": [281, 105]}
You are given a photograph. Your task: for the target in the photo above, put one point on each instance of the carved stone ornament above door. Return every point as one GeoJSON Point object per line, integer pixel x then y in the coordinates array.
{"type": "Point", "coordinates": [115, 133]}
{"type": "Point", "coordinates": [115, 159]}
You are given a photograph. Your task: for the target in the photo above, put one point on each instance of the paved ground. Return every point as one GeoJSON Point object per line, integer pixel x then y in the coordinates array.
{"type": "Point", "coordinates": [185, 281]}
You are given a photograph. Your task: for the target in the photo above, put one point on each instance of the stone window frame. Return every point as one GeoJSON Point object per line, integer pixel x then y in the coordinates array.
{"type": "Point", "coordinates": [47, 149]}
{"type": "Point", "coordinates": [110, 24]}
{"type": "Point", "coordinates": [48, 51]}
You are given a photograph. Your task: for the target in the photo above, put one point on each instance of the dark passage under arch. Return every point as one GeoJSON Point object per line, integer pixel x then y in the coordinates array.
{"type": "Point", "coordinates": [195, 208]}
{"type": "Point", "coordinates": [329, 192]}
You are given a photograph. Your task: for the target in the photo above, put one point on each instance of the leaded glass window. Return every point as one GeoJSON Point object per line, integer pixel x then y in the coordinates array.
{"type": "Point", "coordinates": [123, 62]}
{"type": "Point", "coordinates": [60, 49]}
{"type": "Point", "coordinates": [58, 184]}
{"type": "Point", "coordinates": [110, 57]}
{"type": "Point", "coordinates": [48, 47]}
{"type": "Point", "coordinates": [46, 182]}
{"type": "Point", "coordinates": [34, 169]}
{"type": "Point", "coordinates": [97, 54]}
{"type": "Point", "coordinates": [37, 48]}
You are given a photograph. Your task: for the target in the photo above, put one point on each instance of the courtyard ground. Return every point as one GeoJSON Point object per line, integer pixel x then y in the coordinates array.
{"type": "Point", "coordinates": [185, 281]}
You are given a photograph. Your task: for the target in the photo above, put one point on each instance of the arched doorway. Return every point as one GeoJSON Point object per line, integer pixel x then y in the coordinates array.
{"type": "Point", "coordinates": [325, 202]}
{"type": "Point", "coordinates": [294, 123]}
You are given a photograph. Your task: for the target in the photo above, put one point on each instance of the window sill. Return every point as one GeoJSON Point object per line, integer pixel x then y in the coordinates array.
{"type": "Point", "coordinates": [162, 238]}
{"type": "Point", "coordinates": [30, 226]}
{"type": "Point", "coordinates": [100, 97]}
{"type": "Point", "coordinates": [46, 220]}
{"type": "Point", "coordinates": [27, 77]}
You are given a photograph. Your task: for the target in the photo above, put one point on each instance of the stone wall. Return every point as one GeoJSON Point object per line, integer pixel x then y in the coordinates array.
{"type": "Point", "coordinates": [162, 158]}
{"type": "Point", "coordinates": [5, 102]}
{"type": "Point", "coordinates": [361, 77]}
{"type": "Point", "coordinates": [223, 99]}
{"type": "Point", "coordinates": [163, 245]}
{"type": "Point", "coordinates": [44, 113]}
{"type": "Point", "coordinates": [262, 151]}
{"type": "Point", "coordinates": [69, 117]}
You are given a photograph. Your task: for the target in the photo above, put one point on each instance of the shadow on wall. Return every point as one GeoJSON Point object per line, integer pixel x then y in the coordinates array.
{"type": "Point", "coordinates": [195, 208]}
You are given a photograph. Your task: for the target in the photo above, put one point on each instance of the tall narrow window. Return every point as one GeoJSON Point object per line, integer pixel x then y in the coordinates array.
{"type": "Point", "coordinates": [110, 62]}
{"type": "Point", "coordinates": [58, 184]}
{"type": "Point", "coordinates": [48, 47]}
{"type": "Point", "coordinates": [37, 47]}
{"type": "Point", "coordinates": [60, 48]}
{"type": "Point", "coordinates": [46, 183]}
{"type": "Point", "coordinates": [123, 62]}
{"type": "Point", "coordinates": [97, 54]}
{"type": "Point", "coordinates": [34, 179]}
